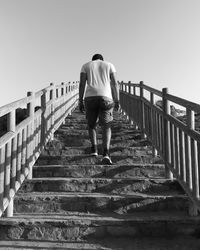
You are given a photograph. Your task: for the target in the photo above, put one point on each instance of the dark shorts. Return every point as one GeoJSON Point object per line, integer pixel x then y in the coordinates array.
{"type": "Point", "coordinates": [99, 107]}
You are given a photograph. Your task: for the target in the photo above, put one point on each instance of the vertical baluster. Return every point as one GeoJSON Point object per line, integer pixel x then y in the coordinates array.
{"type": "Point", "coordinates": [24, 149]}
{"type": "Point", "coordinates": [177, 151]}
{"type": "Point", "coordinates": [64, 101]}
{"type": "Point", "coordinates": [39, 132]}
{"type": "Point", "coordinates": [195, 172]}
{"type": "Point", "coordinates": [166, 137]}
{"type": "Point", "coordinates": [158, 132]}
{"type": "Point", "coordinates": [190, 125]}
{"type": "Point", "coordinates": [172, 144]}
{"type": "Point", "coordinates": [35, 136]}
{"type": "Point", "coordinates": [142, 126]}
{"type": "Point", "coordinates": [156, 129]}
{"type": "Point", "coordinates": [9, 210]}
{"type": "Point", "coordinates": [43, 118]}
{"type": "Point", "coordinates": [153, 134]}
{"type": "Point", "coordinates": [182, 156]}
{"type": "Point", "coordinates": [30, 134]}
{"type": "Point", "coordinates": [14, 162]}
{"type": "Point", "coordinates": [129, 102]}
{"type": "Point", "coordinates": [2, 169]}
{"type": "Point", "coordinates": [198, 161]}
{"type": "Point", "coordinates": [19, 155]}
{"type": "Point", "coordinates": [191, 162]}
{"type": "Point", "coordinates": [188, 162]}
{"type": "Point", "coordinates": [8, 170]}
{"type": "Point", "coordinates": [53, 98]}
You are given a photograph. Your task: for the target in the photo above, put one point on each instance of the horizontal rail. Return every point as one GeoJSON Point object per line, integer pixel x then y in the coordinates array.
{"type": "Point", "coordinates": [176, 139]}
{"type": "Point", "coordinates": [185, 103]}
{"type": "Point", "coordinates": [26, 126]}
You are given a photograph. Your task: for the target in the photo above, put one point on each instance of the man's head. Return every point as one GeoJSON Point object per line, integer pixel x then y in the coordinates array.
{"type": "Point", "coordinates": [97, 57]}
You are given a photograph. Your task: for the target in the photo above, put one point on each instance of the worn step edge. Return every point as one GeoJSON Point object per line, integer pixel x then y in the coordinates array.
{"type": "Point", "coordinates": [99, 157]}
{"type": "Point", "coordinates": [159, 179]}
{"type": "Point", "coordinates": [93, 170]}
{"type": "Point", "coordinates": [92, 179]}
{"type": "Point", "coordinates": [136, 147]}
{"type": "Point", "coordinates": [108, 243]}
{"type": "Point", "coordinates": [109, 218]}
{"type": "Point", "coordinates": [98, 195]}
{"type": "Point", "coordinates": [38, 244]}
{"type": "Point", "coordinates": [102, 165]}
{"type": "Point", "coordinates": [105, 185]}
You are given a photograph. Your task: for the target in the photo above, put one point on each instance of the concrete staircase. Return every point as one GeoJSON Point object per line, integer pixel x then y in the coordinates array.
{"type": "Point", "coordinates": [74, 202]}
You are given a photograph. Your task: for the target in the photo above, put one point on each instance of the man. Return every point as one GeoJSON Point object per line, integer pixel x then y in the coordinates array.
{"type": "Point", "coordinates": [101, 95]}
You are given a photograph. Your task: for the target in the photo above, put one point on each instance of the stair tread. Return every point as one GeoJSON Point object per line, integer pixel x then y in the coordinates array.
{"type": "Point", "coordinates": [103, 178]}
{"type": "Point", "coordinates": [103, 218]}
{"type": "Point", "coordinates": [96, 195]}
{"type": "Point", "coordinates": [109, 243]}
{"type": "Point", "coordinates": [110, 166]}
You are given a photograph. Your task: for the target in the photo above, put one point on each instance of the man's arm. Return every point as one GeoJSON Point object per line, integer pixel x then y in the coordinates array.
{"type": "Point", "coordinates": [115, 87]}
{"type": "Point", "coordinates": [115, 90]}
{"type": "Point", "coordinates": [82, 84]}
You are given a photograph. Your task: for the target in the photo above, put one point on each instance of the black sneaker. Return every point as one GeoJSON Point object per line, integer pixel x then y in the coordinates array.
{"type": "Point", "coordinates": [94, 151]}
{"type": "Point", "coordinates": [106, 160]}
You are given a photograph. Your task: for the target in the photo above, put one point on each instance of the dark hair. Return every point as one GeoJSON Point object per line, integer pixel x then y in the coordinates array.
{"type": "Point", "coordinates": [97, 57]}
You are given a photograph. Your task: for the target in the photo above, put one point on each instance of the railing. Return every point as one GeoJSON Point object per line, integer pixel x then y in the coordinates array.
{"type": "Point", "coordinates": [25, 136]}
{"type": "Point", "coordinates": [176, 140]}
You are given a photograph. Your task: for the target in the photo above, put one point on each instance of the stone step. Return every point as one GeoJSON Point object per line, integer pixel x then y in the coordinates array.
{"type": "Point", "coordinates": [100, 171]}
{"type": "Point", "coordinates": [81, 226]}
{"type": "Point", "coordinates": [81, 128]}
{"type": "Point", "coordinates": [83, 140]}
{"type": "Point", "coordinates": [125, 129]}
{"type": "Point", "coordinates": [108, 243]}
{"type": "Point", "coordinates": [58, 148]}
{"type": "Point", "coordinates": [97, 202]}
{"type": "Point", "coordinates": [81, 120]}
{"type": "Point", "coordinates": [77, 116]}
{"type": "Point", "coordinates": [140, 157]}
{"type": "Point", "coordinates": [117, 125]}
{"type": "Point", "coordinates": [102, 185]}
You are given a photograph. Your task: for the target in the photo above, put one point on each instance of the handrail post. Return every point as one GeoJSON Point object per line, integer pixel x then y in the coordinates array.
{"type": "Point", "coordinates": [8, 173]}
{"type": "Point", "coordinates": [52, 97]}
{"type": "Point", "coordinates": [63, 93]}
{"type": "Point", "coordinates": [31, 111]}
{"type": "Point", "coordinates": [142, 127]}
{"type": "Point", "coordinates": [69, 95]}
{"type": "Point", "coordinates": [43, 118]}
{"type": "Point", "coordinates": [2, 169]}
{"type": "Point", "coordinates": [154, 151]}
{"type": "Point", "coordinates": [166, 134]}
{"type": "Point", "coordinates": [130, 108]}
{"type": "Point", "coordinates": [121, 99]}
{"type": "Point", "coordinates": [192, 165]}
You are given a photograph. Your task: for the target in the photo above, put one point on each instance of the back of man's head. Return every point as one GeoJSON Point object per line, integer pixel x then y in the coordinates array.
{"type": "Point", "coordinates": [97, 57]}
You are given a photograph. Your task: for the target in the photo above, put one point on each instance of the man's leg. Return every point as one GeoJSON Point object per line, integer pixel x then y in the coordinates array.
{"type": "Point", "coordinates": [106, 118]}
{"type": "Point", "coordinates": [91, 115]}
{"type": "Point", "coordinates": [93, 139]}
{"type": "Point", "coordinates": [106, 137]}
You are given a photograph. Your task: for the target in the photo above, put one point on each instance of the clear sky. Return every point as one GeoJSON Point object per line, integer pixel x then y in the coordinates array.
{"type": "Point", "coordinates": [44, 41]}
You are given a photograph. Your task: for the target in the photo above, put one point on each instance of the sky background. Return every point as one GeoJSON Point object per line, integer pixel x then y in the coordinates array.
{"type": "Point", "coordinates": [44, 41]}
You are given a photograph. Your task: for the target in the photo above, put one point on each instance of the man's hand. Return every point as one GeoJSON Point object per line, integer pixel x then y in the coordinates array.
{"type": "Point", "coordinates": [117, 106]}
{"type": "Point", "coordinates": [81, 106]}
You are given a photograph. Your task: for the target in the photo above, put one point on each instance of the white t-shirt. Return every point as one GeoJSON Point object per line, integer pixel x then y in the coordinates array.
{"type": "Point", "coordinates": [98, 78]}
